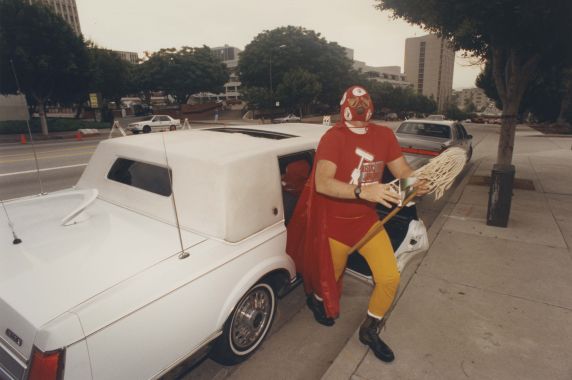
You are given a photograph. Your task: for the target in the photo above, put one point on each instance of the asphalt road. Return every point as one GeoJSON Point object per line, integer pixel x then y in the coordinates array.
{"type": "Point", "coordinates": [61, 164]}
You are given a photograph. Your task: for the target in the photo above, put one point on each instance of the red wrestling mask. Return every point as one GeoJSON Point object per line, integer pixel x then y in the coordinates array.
{"type": "Point", "coordinates": [356, 105]}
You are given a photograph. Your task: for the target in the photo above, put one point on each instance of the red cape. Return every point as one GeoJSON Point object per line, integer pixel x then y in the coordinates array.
{"type": "Point", "coordinates": [307, 244]}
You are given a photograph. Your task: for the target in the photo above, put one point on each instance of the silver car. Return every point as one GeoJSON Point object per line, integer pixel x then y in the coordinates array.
{"type": "Point", "coordinates": [431, 137]}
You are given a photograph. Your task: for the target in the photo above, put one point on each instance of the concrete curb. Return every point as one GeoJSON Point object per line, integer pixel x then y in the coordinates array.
{"type": "Point", "coordinates": [15, 138]}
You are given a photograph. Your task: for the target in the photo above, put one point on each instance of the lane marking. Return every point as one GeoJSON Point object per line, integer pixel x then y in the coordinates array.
{"type": "Point", "coordinates": [46, 157]}
{"type": "Point", "coordinates": [30, 152]}
{"type": "Point", "coordinates": [43, 170]}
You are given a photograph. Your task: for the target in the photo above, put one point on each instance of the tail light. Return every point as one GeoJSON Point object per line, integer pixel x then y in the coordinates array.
{"type": "Point", "coordinates": [47, 365]}
{"type": "Point", "coordinates": [424, 152]}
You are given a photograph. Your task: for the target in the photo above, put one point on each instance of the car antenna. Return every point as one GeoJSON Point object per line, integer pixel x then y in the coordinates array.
{"type": "Point", "coordinates": [16, 240]}
{"type": "Point", "coordinates": [29, 130]}
{"type": "Point", "coordinates": [183, 254]}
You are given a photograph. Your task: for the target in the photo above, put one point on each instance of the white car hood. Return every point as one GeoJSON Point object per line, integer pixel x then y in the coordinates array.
{"type": "Point", "coordinates": [56, 267]}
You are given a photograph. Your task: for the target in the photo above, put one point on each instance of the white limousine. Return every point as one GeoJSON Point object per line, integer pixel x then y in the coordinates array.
{"type": "Point", "coordinates": [170, 246]}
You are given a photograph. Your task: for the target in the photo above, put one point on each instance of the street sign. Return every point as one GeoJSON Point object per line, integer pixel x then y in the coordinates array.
{"type": "Point", "coordinates": [95, 100]}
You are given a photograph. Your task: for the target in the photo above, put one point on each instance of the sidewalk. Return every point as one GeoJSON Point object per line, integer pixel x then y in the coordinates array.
{"type": "Point", "coordinates": [487, 302]}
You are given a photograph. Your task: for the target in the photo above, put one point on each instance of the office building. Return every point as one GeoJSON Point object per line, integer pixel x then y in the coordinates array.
{"type": "Point", "coordinates": [229, 56]}
{"type": "Point", "coordinates": [66, 9]}
{"type": "Point", "coordinates": [128, 56]}
{"type": "Point", "coordinates": [384, 74]}
{"type": "Point", "coordinates": [429, 63]}
{"type": "Point", "coordinates": [475, 96]}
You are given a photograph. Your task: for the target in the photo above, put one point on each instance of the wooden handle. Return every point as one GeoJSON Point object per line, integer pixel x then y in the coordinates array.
{"type": "Point", "coordinates": [378, 226]}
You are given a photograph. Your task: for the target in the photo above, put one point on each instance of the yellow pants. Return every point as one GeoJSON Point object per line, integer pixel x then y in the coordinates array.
{"type": "Point", "coordinates": [379, 255]}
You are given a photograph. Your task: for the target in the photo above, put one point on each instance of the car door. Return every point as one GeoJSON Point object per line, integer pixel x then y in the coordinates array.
{"type": "Point", "coordinates": [154, 122]}
{"type": "Point", "coordinates": [295, 170]}
{"type": "Point", "coordinates": [165, 122]}
{"type": "Point", "coordinates": [159, 123]}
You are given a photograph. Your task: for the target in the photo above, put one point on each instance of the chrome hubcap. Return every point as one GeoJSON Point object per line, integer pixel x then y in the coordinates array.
{"type": "Point", "coordinates": [251, 319]}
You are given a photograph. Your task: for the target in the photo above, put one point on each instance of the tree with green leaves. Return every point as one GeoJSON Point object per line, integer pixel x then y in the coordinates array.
{"type": "Point", "coordinates": [298, 90]}
{"type": "Point", "coordinates": [271, 55]}
{"type": "Point", "coordinates": [514, 36]}
{"type": "Point", "coordinates": [547, 97]}
{"type": "Point", "coordinates": [399, 100]}
{"type": "Point", "coordinates": [183, 72]}
{"type": "Point", "coordinates": [109, 74]}
{"type": "Point", "coordinates": [38, 47]}
{"type": "Point", "coordinates": [470, 107]}
{"type": "Point", "coordinates": [452, 112]}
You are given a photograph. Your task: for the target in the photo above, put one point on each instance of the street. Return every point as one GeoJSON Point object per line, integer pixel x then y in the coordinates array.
{"type": "Point", "coordinates": [61, 164]}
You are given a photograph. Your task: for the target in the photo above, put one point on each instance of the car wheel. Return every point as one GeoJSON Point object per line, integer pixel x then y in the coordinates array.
{"type": "Point", "coordinates": [469, 154]}
{"type": "Point", "coordinates": [173, 128]}
{"type": "Point", "coordinates": [247, 326]}
{"type": "Point", "coordinates": [146, 129]}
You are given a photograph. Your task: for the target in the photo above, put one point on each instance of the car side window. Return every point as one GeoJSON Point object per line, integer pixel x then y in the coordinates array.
{"type": "Point", "coordinates": [295, 170]}
{"type": "Point", "coordinates": [141, 175]}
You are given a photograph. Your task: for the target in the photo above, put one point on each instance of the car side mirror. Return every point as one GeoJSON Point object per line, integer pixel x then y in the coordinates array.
{"type": "Point", "coordinates": [470, 136]}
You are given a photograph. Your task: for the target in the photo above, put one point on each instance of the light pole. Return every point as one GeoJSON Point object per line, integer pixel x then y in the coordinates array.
{"type": "Point", "coordinates": [270, 74]}
{"type": "Point", "coordinates": [270, 65]}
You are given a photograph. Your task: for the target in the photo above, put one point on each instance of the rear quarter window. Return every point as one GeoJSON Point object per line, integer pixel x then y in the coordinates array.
{"type": "Point", "coordinates": [425, 129]}
{"type": "Point", "coordinates": [153, 178]}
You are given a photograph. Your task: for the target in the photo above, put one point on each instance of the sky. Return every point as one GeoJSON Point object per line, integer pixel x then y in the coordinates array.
{"type": "Point", "coordinates": [137, 25]}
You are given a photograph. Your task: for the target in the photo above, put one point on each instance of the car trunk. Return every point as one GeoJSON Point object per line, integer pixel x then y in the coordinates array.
{"type": "Point", "coordinates": [424, 146]}
{"type": "Point", "coordinates": [56, 268]}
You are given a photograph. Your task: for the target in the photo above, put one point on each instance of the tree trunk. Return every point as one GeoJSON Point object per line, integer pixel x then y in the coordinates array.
{"type": "Point", "coordinates": [512, 74]}
{"type": "Point", "coordinates": [507, 133]}
{"type": "Point", "coordinates": [42, 114]}
{"type": "Point", "coordinates": [566, 104]}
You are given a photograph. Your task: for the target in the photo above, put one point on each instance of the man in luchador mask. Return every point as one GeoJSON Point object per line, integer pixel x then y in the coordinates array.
{"type": "Point", "coordinates": [337, 208]}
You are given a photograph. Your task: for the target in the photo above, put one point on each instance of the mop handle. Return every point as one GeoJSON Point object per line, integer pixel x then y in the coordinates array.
{"type": "Point", "coordinates": [378, 226]}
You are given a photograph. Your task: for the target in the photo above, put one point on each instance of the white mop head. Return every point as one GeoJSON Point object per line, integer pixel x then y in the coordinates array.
{"type": "Point", "coordinates": [440, 172]}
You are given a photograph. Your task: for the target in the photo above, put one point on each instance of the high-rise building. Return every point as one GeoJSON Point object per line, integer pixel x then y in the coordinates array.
{"type": "Point", "coordinates": [66, 9]}
{"type": "Point", "coordinates": [429, 63]}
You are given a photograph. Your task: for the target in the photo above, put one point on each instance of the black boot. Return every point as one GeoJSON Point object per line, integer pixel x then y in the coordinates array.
{"type": "Point", "coordinates": [317, 308]}
{"type": "Point", "coordinates": [369, 335]}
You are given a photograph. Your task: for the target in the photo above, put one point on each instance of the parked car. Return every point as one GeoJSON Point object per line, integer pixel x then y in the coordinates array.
{"type": "Point", "coordinates": [290, 118]}
{"type": "Point", "coordinates": [170, 246]}
{"type": "Point", "coordinates": [154, 123]}
{"type": "Point", "coordinates": [436, 117]}
{"type": "Point", "coordinates": [426, 137]}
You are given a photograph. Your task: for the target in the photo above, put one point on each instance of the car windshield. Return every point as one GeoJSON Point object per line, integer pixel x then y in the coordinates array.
{"type": "Point", "coordinates": [425, 129]}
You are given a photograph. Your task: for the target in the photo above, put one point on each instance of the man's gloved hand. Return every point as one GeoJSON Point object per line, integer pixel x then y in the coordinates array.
{"type": "Point", "coordinates": [380, 193]}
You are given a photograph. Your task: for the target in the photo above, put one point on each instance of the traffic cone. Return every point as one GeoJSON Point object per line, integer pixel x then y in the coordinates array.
{"type": "Point", "coordinates": [23, 139]}
{"type": "Point", "coordinates": [78, 136]}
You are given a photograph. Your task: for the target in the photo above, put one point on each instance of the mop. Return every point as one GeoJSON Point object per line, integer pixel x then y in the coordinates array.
{"type": "Point", "coordinates": [439, 173]}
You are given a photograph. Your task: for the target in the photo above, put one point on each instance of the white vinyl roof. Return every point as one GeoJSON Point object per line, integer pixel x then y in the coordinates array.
{"type": "Point", "coordinates": [226, 185]}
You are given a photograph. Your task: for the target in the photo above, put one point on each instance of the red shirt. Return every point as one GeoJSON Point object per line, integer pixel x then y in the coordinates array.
{"type": "Point", "coordinates": [359, 158]}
